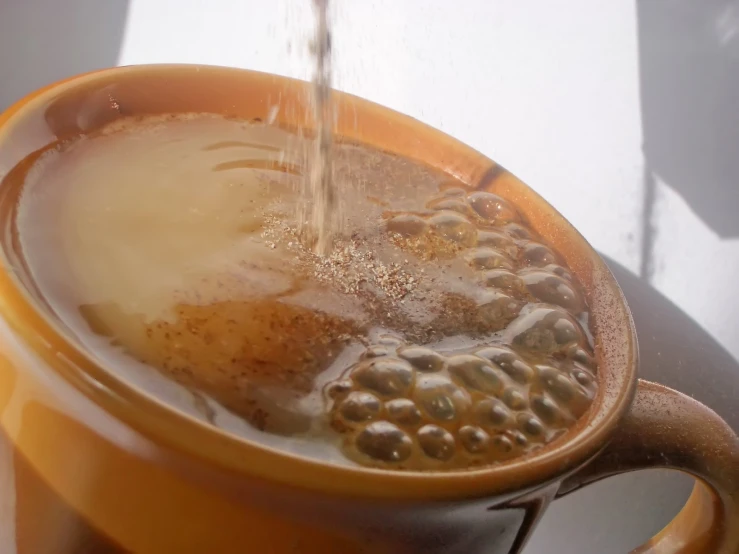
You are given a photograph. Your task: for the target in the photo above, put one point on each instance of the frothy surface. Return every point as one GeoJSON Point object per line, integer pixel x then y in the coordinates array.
{"type": "Point", "coordinates": [439, 333]}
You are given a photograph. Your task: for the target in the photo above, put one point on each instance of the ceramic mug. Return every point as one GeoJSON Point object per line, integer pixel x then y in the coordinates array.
{"type": "Point", "coordinates": [100, 466]}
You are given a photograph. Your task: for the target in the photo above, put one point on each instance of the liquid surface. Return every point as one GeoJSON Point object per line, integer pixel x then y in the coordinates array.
{"type": "Point", "coordinates": [440, 332]}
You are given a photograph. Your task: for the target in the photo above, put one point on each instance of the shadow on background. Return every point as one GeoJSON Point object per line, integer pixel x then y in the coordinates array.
{"type": "Point", "coordinates": [689, 73]}
{"type": "Point", "coordinates": [42, 41]}
{"type": "Point", "coordinates": [675, 351]}
{"type": "Point", "coordinates": [618, 514]}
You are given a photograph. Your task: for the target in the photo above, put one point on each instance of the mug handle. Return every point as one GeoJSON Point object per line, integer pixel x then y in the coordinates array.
{"type": "Point", "coordinates": [666, 429]}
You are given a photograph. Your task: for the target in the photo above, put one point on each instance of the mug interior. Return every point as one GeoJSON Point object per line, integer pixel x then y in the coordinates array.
{"type": "Point", "coordinates": [66, 110]}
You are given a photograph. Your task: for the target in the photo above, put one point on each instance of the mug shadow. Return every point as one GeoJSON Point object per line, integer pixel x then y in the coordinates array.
{"type": "Point", "coordinates": [689, 80]}
{"type": "Point", "coordinates": [618, 514]}
{"type": "Point", "coordinates": [43, 41]}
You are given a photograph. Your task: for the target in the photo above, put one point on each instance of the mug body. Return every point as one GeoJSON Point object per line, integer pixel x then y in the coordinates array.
{"type": "Point", "coordinates": [92, 464]}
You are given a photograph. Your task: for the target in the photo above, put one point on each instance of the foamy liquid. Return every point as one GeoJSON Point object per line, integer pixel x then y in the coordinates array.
{"type": "Point", "coordinates": [440, 333]}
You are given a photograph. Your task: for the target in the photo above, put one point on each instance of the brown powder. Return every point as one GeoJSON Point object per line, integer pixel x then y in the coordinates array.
{"type": "Point", "coordinates": [350, 267]}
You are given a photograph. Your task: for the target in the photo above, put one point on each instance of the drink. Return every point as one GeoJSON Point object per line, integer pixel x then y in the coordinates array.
{"type": "Point", "coordinates": [439, 333]}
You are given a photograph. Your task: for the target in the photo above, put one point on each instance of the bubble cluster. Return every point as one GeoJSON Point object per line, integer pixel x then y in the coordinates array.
{"type": "Point", "coordinates": [414, 407]}
{"type": "Point", "coordinates": [488, 233]}
{"type": "Point", "coordinates": [411, 406]}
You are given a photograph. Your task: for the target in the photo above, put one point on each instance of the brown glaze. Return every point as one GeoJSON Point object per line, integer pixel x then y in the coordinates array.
{"type": "Point", "coordinates": [665, 428]}
{"type": "Point", "coordinates": [39, 507]}
{"type": "Point", "coordinates": [148, 468]}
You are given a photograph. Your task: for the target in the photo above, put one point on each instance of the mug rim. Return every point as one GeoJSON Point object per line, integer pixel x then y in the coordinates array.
{"type": "Point", "coordinates": [165, 425]}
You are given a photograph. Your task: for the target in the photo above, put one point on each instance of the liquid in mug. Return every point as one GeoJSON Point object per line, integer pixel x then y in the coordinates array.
{"type": "Point", "coordinates": [439, 332]}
